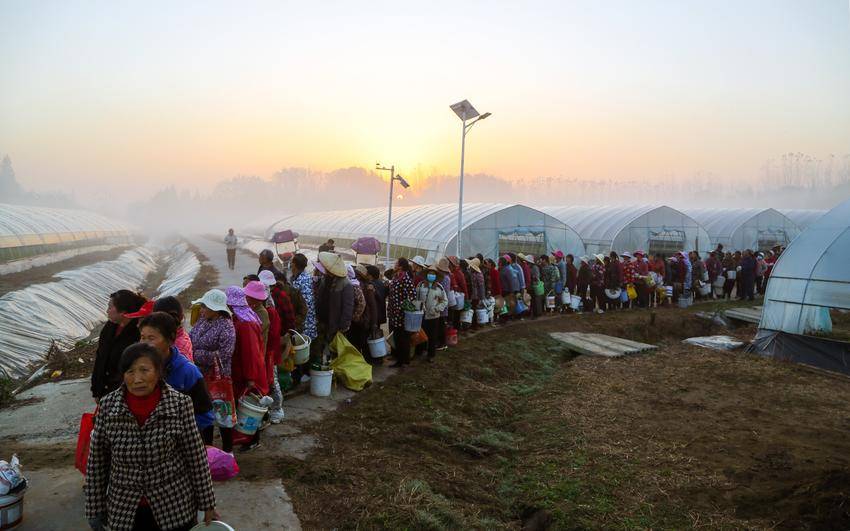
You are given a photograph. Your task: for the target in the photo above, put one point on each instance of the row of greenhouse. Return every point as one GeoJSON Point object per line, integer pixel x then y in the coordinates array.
{"type": "Point", "coordinates": [431, 230]}
{"type": "Point", "coordinates": [495, 228]}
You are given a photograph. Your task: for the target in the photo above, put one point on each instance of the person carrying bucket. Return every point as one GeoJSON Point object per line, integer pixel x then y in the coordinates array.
{"type": "Point", "coordinates": [434, 300]}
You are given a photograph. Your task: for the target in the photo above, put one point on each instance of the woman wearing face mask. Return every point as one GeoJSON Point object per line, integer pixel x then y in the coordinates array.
{"type": "Point", "coordinates": [434, 300]}
{"type": "Point", "coordinates": [147, 467]}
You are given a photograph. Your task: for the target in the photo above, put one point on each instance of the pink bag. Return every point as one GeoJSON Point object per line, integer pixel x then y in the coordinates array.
{"type": "Point", "coordinates": [222, 464]}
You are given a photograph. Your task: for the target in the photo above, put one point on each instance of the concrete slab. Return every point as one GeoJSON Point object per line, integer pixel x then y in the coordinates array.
{"type": "Point", "coordinates": [52, 417]}
{"type": "Point", "coordinates": [255, 505]}
{"type": "Point", "coordinates": [54, 500]}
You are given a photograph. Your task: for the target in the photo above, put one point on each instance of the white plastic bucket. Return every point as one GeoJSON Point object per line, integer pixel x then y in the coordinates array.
{"type": "Point", "coordinates": [575, 302]}
{"type": "Point", "coordinates": [718, 290]}
{"type": "Point", "coordinates": [684, 302]}
{"type": "Point", "coordinates": [704, 289]}
{"type": "Point", "coordinates": [320, 382]}
{"type": "Point", "coordinates": [249, 415]}
{"type": "Point", "coordinates": [565, 298]}
{"type": "Point", "coordinates": [459, 296]}
{"type": "Point", "coordinates": [11, 511]}
{"type": "Point", "coordinates": [719, 281]}
{"type": "Point", "coordinates": [668, 290]}
{"type": "Point", "coordinates": [377, 347]}
{"type": "Point", "coordinates": [452, 300]}
{"type": "Point", "coordinates": [731, 274]}
{"type": "Point", "coordinates": [413, 320]}
{"type": "Point", "coordinates": [550, 302]}
{"type": "Point", "coordinates": [215, 525]}
{"type": "Point", "coordinates": [301, 347]}
{"type": "Point", "coordinates": [466, 316]}
{"type": "Point", "coordinates": [482, 315]}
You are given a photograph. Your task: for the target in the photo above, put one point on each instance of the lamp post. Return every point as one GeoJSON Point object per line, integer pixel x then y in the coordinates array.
{"type": "Point", "coordinates": [465, 111]}
{"type": "Point", "coordinates": [403, 183]}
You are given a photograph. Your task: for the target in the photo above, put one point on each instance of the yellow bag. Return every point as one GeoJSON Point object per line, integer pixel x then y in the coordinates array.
{"type": "Point", "coordinates": [195, 315]}
{"type": "Point", "coordinates": [631, 291]}
{"type": "Point", "coordinates": [349, 366]}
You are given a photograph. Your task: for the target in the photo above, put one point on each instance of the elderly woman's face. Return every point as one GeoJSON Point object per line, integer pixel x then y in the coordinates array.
{"type": "Point", "coordinates": [141, 378]}
{"type": "Point", "coordinates": [153, 337]}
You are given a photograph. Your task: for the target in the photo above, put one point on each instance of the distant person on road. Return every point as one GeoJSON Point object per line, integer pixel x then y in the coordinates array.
{"type": "Point", "coordinates": [231, 242]}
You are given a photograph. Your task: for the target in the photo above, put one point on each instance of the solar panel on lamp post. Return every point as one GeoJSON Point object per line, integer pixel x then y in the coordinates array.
{"type": "Point", "coordinates": [465, 111]}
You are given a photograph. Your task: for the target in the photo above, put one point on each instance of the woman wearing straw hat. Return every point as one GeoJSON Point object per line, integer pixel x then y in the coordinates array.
{"type": "Point", "coordinates": [336, 304]}
{"type": "Point", "coordinates": [434, 300]}
{"type": "Point", "coordinates": [213, 340]}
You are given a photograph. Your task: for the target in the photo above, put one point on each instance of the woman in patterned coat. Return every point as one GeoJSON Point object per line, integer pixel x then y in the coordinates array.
{"type": "Point", "coordinates": [401, 290]}
{"type": "Point", "coordinates": [147, 467]}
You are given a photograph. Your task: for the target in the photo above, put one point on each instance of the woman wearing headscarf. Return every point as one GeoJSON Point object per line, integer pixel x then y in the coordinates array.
{"type": "Point", "coordinates": [248, 369]}
{"type": "Point", "coordinates": [147, 467]}
{"type": "Point", "coordinates": [401, 291]}
{"type": "Point", "coordinates": [214, 338]}
{"type": "Point", "coordinates": [119, 332]}
{"type": "Point", "coordinates": [172, 307]}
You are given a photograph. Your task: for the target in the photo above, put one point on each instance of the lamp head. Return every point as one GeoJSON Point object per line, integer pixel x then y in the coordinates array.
{"type": "Point", "coordinates": [402, 182]}
{"type": "Point", "coordinates": [485, 115]}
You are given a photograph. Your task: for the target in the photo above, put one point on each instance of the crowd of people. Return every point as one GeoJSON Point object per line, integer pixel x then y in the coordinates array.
{"type": "Point", "coordinates": [151, 378]}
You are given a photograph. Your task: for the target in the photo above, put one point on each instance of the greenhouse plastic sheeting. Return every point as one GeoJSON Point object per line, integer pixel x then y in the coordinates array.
{"type": "Point", "coordinates": [63, 311]}
{"type": "Point", "coordinates": [29, 225]}
{"type": "Point", "coordinates": [183, 269]}
{"type": "Point", "coordinates": [745, 228]}
{"type": "Point", "coordinates": [69, 309]}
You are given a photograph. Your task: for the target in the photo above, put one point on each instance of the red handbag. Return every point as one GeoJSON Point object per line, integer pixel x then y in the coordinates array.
{"type": "Point", "coordinates": [221, 393]}
{"type": "Point", "coordinates": [81, 458]}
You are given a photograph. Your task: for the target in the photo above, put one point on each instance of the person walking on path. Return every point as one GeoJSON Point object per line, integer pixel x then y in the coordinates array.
{"type": "Point", "coordinates": [231, 243]}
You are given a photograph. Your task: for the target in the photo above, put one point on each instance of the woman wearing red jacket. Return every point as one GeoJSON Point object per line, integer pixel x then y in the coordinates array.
{"type": "Point", "coordinates": [248, 369]}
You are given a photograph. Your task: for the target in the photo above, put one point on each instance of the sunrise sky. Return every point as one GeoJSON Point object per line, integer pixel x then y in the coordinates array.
{"type": "Point", "coordinates": [132, 96]}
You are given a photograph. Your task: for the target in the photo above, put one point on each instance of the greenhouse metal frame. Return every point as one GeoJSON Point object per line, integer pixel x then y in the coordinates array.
{"type": "Point", "coordinates": [652, 228]}
{"type": "Point", "coordinates": [810, 278]}
{"type": "Point", "coordinates": [803, 217]}
{"type": "Point", "coordinates": [431, 230]}
{"type": "Point", "coordinates": [738, 229]}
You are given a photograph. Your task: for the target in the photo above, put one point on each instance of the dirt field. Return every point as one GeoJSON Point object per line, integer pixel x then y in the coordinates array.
{"type": "Point", "coordinates": [509, 430]}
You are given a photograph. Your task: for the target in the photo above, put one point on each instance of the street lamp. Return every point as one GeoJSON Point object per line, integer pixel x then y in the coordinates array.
{"type": "Point", "coordinates": [465, 111]}
{"type": "Point", "coordinates": [404, 184]}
